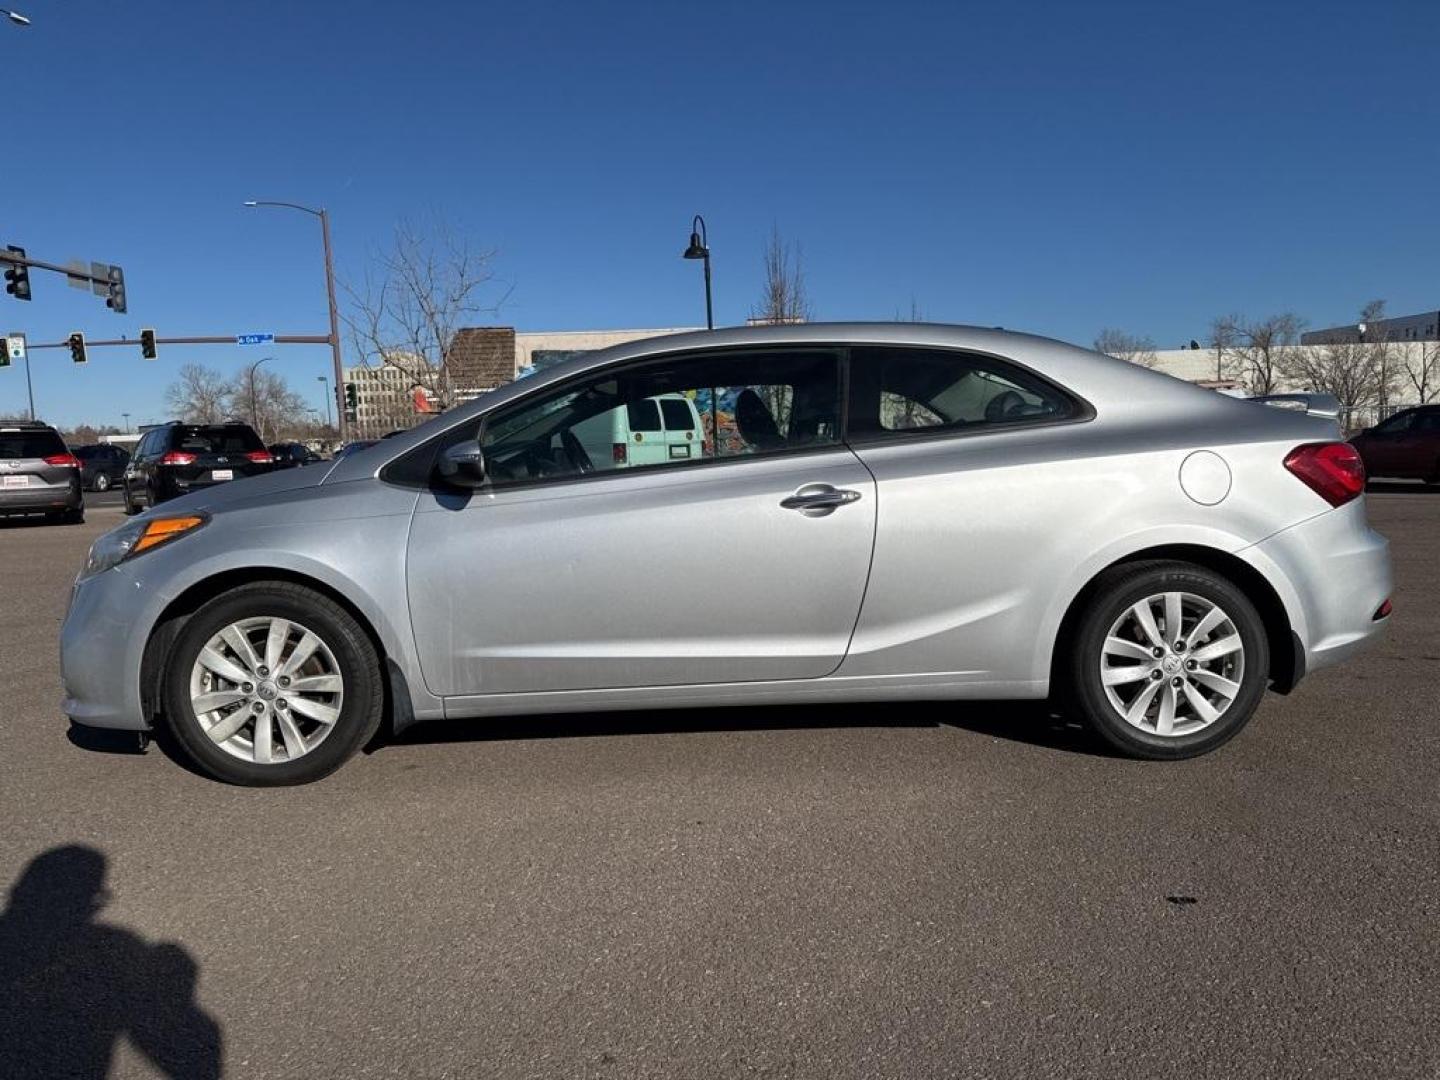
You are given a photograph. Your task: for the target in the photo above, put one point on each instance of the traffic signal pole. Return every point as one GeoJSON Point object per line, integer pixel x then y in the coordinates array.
{"type": "Point", "coordinates": [280, 339]}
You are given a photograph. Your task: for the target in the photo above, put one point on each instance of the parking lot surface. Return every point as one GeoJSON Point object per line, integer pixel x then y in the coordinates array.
{"type": "Point", "coordinates": [877, 891]}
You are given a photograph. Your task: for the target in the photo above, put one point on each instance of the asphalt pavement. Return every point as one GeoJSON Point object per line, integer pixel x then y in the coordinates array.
{"type": "Point", "coordinates": [877, 891]}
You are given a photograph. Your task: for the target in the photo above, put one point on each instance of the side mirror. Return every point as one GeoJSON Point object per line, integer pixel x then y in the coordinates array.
{"type": "Point", "coordinates": [463, 465]}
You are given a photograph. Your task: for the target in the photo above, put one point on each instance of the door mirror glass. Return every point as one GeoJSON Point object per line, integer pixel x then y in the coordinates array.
{"type": "Point", "coordinates": [462, 465]}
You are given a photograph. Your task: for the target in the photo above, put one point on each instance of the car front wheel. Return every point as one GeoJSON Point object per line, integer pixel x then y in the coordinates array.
{"type": "Point", "coordinates": [272, 684]}
{"type": "Point", "coordinates": [1170, 660]}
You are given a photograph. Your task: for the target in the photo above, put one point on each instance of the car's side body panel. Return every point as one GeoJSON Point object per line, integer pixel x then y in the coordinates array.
{"type": "Point", "coordinates": [670, 576]}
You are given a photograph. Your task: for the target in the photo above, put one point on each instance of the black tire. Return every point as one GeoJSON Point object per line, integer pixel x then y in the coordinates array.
{"type": "Point", "coordinates": [1120, 588]}
{"type": "Point", "coordinates": [130, 508]}
{"type": "Point", "coordinates": [355, 655]}
{"type": "Point", "coordinates": [101, 482]}
{"type": "Point", "coordinates": [68, 517]}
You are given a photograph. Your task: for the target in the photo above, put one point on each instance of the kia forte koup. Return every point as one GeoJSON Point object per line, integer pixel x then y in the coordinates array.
{"type": "Point", "coordinates": [862, 513]}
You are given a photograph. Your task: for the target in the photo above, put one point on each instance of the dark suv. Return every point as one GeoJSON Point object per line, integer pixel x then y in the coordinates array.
{"type": "Point", "coordinates": [102, 466]}
{"type": "Point", "coordinates": [38, 474]}
{"type": "Point", "coordinates": [177, 458]}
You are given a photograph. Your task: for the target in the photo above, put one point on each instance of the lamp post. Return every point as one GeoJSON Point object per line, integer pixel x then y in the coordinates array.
{"type": "Point", "coordinates": [126, 417]}
{"type": "Point", "coordinates": [700, 249]}
{"type": "Point", "coordinates": [324, 217]}
{"type": "Point", "coordinates": [326, 383]}
{"type": "Point", "coordinates": [254, 418]}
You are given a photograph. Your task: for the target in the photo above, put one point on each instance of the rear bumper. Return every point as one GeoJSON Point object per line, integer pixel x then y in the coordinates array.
{"type": "Point", "coordinates": [35, 499]}
{"type": "Point", "coordinates": [1336, 572]}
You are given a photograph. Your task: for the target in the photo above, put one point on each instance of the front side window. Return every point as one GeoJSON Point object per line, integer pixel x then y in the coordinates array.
{"type": "Point", "coordinates": [678, 411]}
{"type": "Point", "coordinates": [897, 391]}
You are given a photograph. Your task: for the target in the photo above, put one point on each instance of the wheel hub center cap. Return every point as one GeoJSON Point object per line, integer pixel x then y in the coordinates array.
{"type": "Point", "coordinates": [267, 691]}
{"type": "Point", "coordinates": [1172, 665]}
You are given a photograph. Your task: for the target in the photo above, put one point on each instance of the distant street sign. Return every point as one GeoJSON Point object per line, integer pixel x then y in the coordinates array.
{"type": "Point", "coordinates": [254, 339]}
{"type": "Point", "coordinates": [15, 347]}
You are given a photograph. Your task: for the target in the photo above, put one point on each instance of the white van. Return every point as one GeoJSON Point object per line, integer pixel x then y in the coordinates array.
{"type": "Point", "coordinates": [650, 431]}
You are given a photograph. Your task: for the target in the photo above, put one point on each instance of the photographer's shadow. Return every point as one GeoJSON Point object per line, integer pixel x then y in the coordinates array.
{"type": "Point", "coordinates": [71, 987]}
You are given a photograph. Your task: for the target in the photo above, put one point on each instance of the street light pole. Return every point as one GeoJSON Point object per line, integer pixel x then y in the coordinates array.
{"type": "Point", "coordinates": [126, 417]}
{"type": "Point", "coordinates": [254, 418]}
{"type": "Point", "coordinates": [339, 369]}
{"type": "Point", "coordinates": [700, 249]}
{"type": "Point", "coordinates": [326, 383]}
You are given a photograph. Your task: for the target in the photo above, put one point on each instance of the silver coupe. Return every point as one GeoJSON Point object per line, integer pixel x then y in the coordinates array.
{"type": "Point", "coordinates": [815, 513]}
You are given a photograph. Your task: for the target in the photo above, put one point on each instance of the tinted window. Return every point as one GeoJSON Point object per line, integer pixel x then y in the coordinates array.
{"type": "Point", "coordinates": [30, 444]}
{"type": "Point", "coordinates": [752, 402]}
{"type": "Point", "coordinates": [899, 390]}
{"type": "Point", "coordinates": [215, 439]}
{"type": "Point", "coordinates": [1428, 422]}
{"type": "Point", "coordinates": [678, 416]}
{"type": "Point", "coordinates": [643, 415]}
{"type": "Point", "coordinates": [1396, 424]}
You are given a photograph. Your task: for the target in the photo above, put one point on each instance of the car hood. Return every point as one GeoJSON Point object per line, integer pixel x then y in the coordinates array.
{"type": "Point", "coordinates": [246, 490]}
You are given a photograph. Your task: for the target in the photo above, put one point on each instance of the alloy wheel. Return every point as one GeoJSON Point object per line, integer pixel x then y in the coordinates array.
{"type": "Point", "coordinates": [266, 690]}
{"type": "Point", "coordinates": [1172, 664]}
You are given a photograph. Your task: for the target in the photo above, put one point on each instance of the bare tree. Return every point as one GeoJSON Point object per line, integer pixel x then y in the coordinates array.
{"type": "Point", "coordinates": [783, 299]}
{"type": "Point", "coordinates": [1123, 346]}
{"type": "Point", "coordinates": [1384, 351]}
{"type": "Point", "coordinates": [265, 399]}
{"type": "Point", "coordinates": [1253, 352]}
{"type": "Point", "coordinates": [1423, 372]}
{"type": "Point", "coordinates": [199, 396]}
{"type": "Point", "coordinates": [408, 311]}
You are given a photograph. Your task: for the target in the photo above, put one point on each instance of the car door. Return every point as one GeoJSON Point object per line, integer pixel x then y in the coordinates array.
{"type": "Point", "coordinates": [567, 572]}
{"type": "Point", "coordinates": [970, 456]}
{"type": "Point", "coordinates": [1383, 446]}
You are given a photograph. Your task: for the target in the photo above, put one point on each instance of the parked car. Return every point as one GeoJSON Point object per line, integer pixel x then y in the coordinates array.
{"type": "Point", "coordinates": [38, 474]}
{"type": "Point", "coordinates": [176, 459]}
{"type": "Point", "coordinates": [1406, 446]}
{"type": "Point", "coordinates": [290, 455]}
{"type": "Point", "coordinates": [354, 447]}
{"type": "Point", "coordinates": [102, 466]}
{"type": "Point", "coordinates": [891, 512]}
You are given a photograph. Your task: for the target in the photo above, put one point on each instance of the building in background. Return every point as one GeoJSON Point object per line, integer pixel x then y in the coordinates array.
{"type": "Point", "coordinates": [1422, 327]}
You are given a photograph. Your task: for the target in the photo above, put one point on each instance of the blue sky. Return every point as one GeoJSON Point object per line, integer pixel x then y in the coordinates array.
{"type": "Point", "coordinates": [1054, 167]}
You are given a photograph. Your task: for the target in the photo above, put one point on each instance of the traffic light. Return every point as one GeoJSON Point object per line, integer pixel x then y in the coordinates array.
{"type": "Point", "coordinates": [352, 396]}
{"type": "Point", "coordinates": [147, 344]}
{"type": "Point", "coordinates": [17, 275]}
{"type": "Point", "coordinates": [115, 295]}
{"type": "Point", "coordinates": [76, 341]}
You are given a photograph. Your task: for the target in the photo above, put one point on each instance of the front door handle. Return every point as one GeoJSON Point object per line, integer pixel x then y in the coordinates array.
{"type": "Point", "coordinates": [817, 500]}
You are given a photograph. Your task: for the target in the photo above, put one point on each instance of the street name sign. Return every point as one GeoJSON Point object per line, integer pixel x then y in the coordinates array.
{"type": "Point", "coordinates": [254, 339]}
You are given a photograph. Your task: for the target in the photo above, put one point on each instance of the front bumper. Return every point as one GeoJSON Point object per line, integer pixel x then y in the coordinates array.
{"type": "Point", "coordinates": [102, 646]}
{"type": "Point", "coordinates": [1333, 573]}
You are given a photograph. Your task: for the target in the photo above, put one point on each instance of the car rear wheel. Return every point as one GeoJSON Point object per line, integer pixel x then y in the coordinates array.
{"type": "Point", "coordinates": [272, 684]}
{"type": "Point", "coordinates": [1170, 660]}
{"type": "Point", "coordinates": [102, 482]}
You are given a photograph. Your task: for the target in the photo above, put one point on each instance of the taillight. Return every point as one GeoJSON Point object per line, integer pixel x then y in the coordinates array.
{"type": "Point", "coordinates": [1332, 470]}
{"type": "Point", "coordinates": [63, 459]}
{"type": "Point", "coordinates": [617, 453]}
{"type": "Point", "coordinates": [177, 457]}
{"type": "Point", "coordinates": [260, 457]}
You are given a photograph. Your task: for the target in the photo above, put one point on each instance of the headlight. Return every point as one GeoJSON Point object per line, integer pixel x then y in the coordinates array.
{"type": "Point", "coordinates": [136, 538]}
